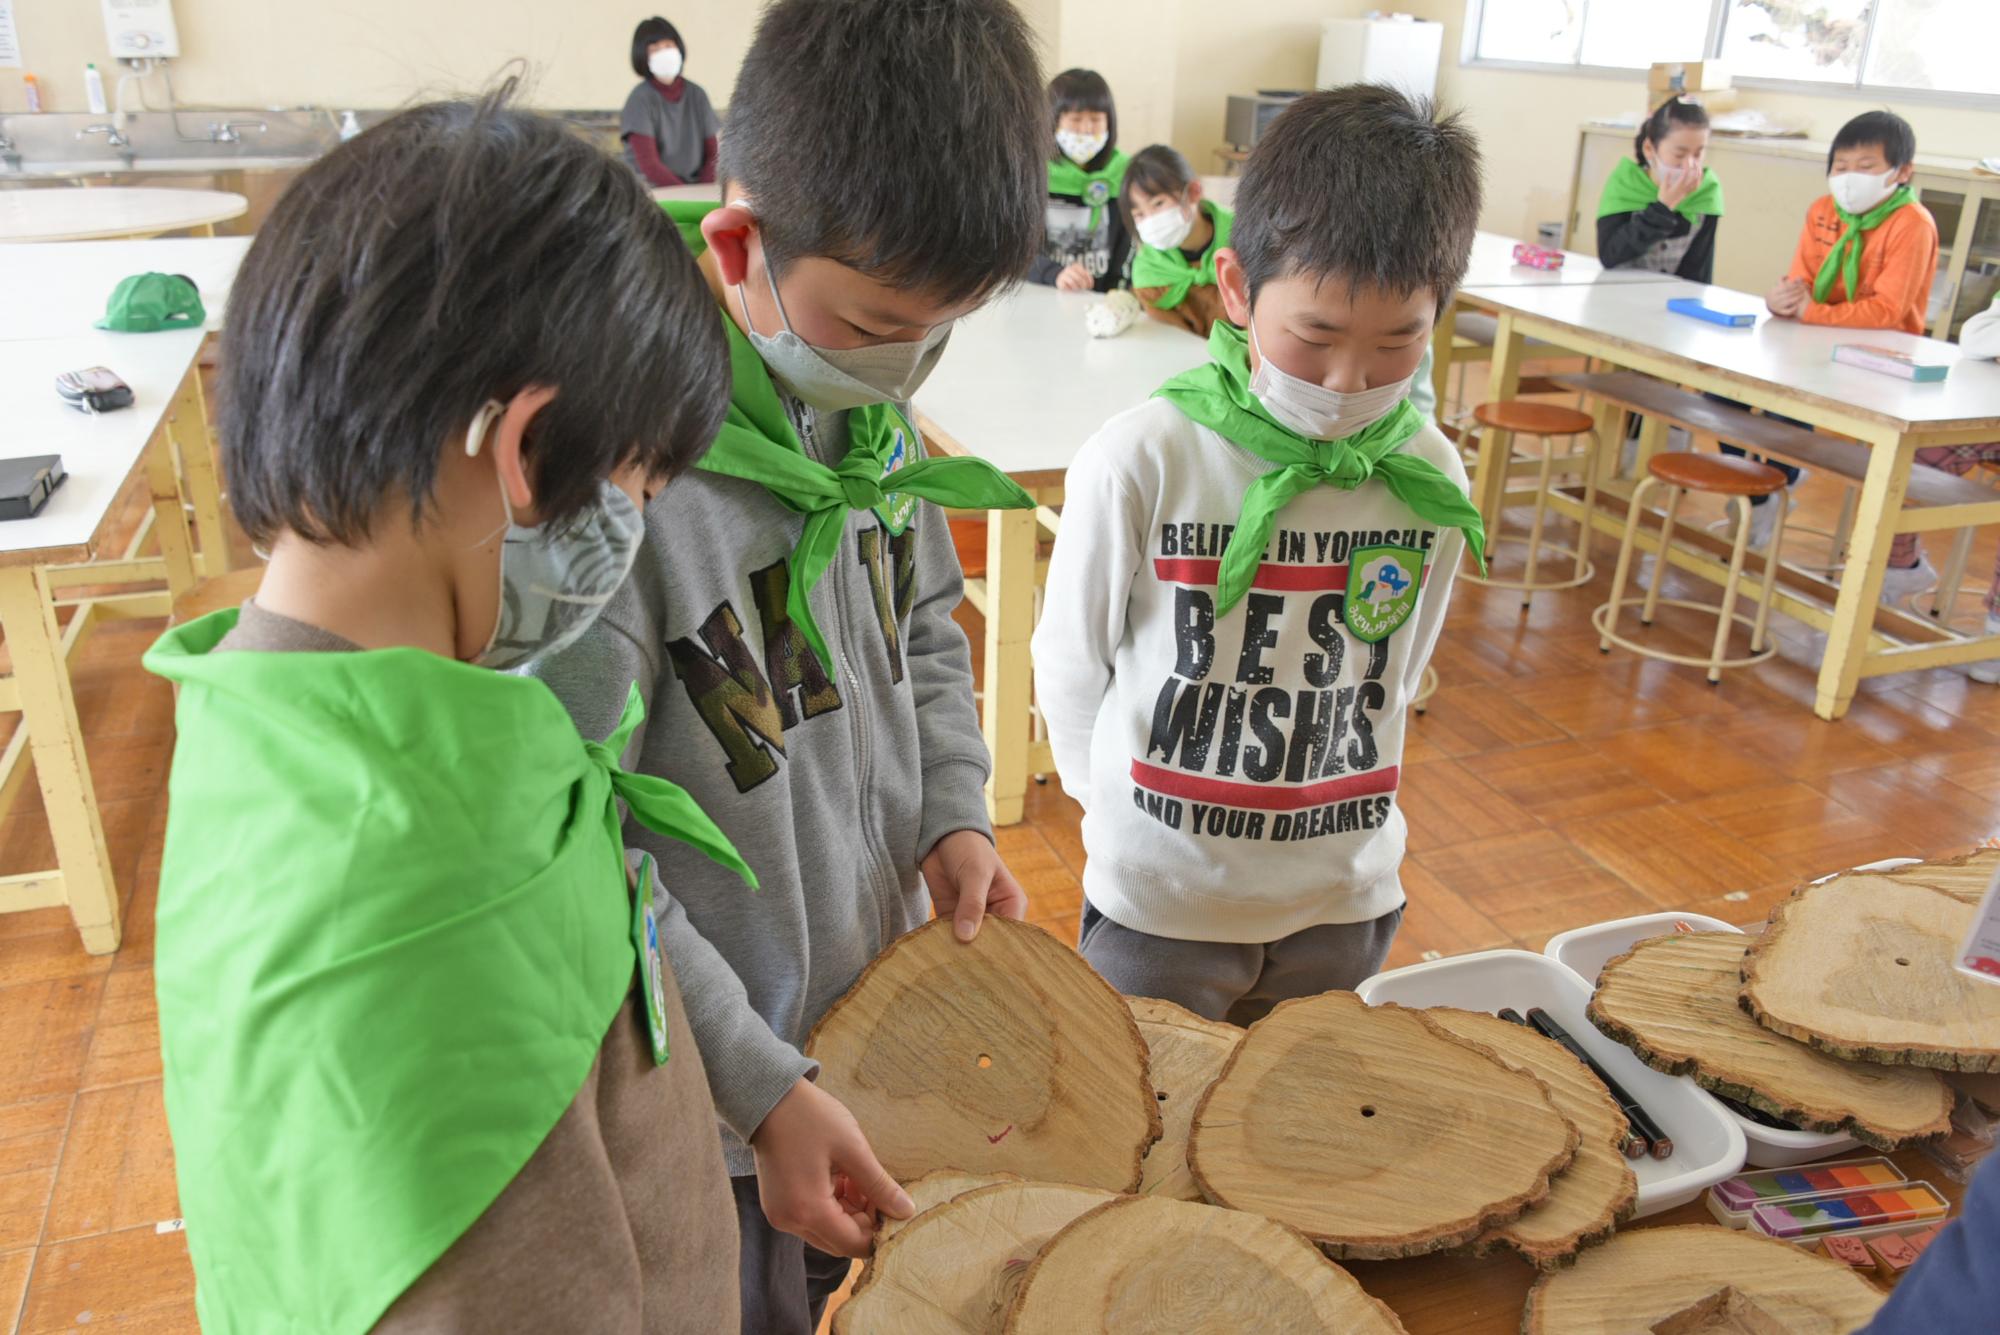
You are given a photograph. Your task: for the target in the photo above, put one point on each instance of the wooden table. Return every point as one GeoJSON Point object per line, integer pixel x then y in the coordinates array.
{"type": "Point", "coordinates": [113, 211]}
{"type": "Point", "coordinates": [1785, 367]}
{"type": "Point", "coordinates": [1461, 1295]}
{"type": "Point", "coordinates": [61, 287]}
{"type": "Point", "coordinates": [57, 551]}
{"type": "Point", "coordinates": [1024, 386]}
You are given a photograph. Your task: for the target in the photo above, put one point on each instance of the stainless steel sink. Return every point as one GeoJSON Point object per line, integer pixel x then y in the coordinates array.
{"type": "Point", "coordinates": [201, 142]}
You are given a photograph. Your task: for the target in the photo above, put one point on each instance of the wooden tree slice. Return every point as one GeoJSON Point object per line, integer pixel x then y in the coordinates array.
{"type": "Point", "coordinates": [956, 1268]}
{"type": "Point", "coordinates": [934, 1189]}
{"type": "Point", "coordinates": [1964, 877]}
{"type": "Point", "coordinates": [1672, 1000]}
{"type": "Point", "coordinates": [1007, 1054]}
{"type": "Point", "coordinates": [1699, 1277]}
{"type": "Point", "coordinates": [1139, 1265]}
{"type": "Point", "coordinates": [1185, 1053]}
{"type": "Point", "coordinates": [1597, 1191]}
{"type": "Point", "coordinates": [1372, 1132]}
{"type": "Point", "coordinates": [1862, 967]}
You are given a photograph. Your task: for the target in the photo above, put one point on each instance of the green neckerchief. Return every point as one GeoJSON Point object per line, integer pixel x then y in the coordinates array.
{"type": "Point", "coordinates": [1631, 188]}
{"type": "Point", "coordinates": [393, 930]}
{"type": "Point", "coordinates": [1152, 267]}
{"type": "Point", "coordinates": [1218, 396]}
{"type": "Point", "coordinates": [1096, 188]}
{"type": "Point", "coordinates": [1844, 260]}
{"type": "Point", "coordinates": [883, 470]}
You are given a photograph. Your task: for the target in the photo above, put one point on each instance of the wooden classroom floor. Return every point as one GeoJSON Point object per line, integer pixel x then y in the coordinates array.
{"type": "Point", "coordinates": [1548, 787]}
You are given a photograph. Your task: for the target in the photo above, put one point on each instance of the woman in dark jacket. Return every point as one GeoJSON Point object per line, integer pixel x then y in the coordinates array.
{"type": "Point", "coordinates": [668, 125]}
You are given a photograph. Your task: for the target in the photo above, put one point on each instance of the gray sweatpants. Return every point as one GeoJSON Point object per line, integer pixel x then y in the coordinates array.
{"type": "Point", "coordinates": [1224, 980]}
{"type": "Point", "coordinates": [786, 1282]}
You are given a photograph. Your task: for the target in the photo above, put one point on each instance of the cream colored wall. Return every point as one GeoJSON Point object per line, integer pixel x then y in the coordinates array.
{"type": "Point", "coordinates": [1132, 43]}
{"type": "Point", "coordinates": [381, 53]}
{"type": "Point", "coordinates": [1239, 46]}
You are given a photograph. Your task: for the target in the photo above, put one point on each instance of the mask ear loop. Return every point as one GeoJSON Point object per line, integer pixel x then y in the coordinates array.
{"type": "Point", "coordinates": [475, 441]}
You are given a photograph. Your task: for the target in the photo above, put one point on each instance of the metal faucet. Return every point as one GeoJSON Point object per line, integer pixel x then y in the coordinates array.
{"type": "Point", "coordinates": [112, 139]}
{"type": "Point", "coordinates": [225, 132]}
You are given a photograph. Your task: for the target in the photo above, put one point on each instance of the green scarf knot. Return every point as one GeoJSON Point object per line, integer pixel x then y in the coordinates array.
{"type": "Point", "coordinates": [1844, 260]}
{"type": "Point", "coordinates": [1095, 188]}
{"type": "Point", "coordinates": [1218, 396]}
{"type": "Point", "coordinates": [1630, 188]}
{"type": "Point", "coordinates": [1169, 269]}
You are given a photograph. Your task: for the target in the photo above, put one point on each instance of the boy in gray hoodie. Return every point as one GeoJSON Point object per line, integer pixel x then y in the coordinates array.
{"type": "Point", "coordinates": [789, 620]}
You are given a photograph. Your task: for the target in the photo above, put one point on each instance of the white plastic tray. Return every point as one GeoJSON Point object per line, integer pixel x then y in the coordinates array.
{"type": "Point", "coordinates": [1708, 1142]}
{"type": "Point", "coordinates": [1586, 950]}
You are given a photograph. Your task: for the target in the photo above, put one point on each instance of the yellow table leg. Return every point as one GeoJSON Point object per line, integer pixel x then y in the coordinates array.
{"type": "Point", "coordinates": [170, 528]}
{"type": "Point", "coordinates": [1010, 622]}
{"type": "Point", "coordinates": [188, 420]}
{"type": "Point", "coordinates": [1489, 481]}
{"type": "Point", "coordinates": [1861, 583]}
{"type": "Point", "coordinates": [55, 740]}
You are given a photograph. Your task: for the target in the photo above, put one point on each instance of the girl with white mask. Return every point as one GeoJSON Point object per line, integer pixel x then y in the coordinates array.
{"type": "Point", "coordinates": [1180, 231]}
{"type": "Point", "coordinates": [1085, 245]}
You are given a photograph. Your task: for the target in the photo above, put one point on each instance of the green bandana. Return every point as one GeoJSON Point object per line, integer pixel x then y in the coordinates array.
{"type": "Point", "coordinates": [1631, 188]}
{"type": "Point", "coordinates": [883, 470]}
{"type": "Point", "coordinates": [393, 930]}
{"type": "Point", "coordinates": [1844, 260]}
{"type": "Point", "coordinates": [1096, 188]}
{"type": "Point", "coordinates": [1169, 268]}
{"type": "Point", "coordinates": [1218, 396]}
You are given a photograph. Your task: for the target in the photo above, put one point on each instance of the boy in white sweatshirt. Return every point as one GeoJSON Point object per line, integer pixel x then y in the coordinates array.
{"type": "Point", "coordinates": [1253, 571]}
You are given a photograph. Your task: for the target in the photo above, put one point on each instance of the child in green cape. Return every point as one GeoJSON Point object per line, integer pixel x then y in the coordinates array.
{"type": "Point", "coordinates": [1085, 247]}
{"type": "Point", "coordinates": [1173, 270]}
{"type": "Point", "coordinates": [1661, 207]}
{"type": "Point", "coordinates": [426, 1068]}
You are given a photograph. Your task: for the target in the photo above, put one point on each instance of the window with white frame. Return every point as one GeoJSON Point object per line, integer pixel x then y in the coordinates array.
{"type": "Point", "coordinates": [1891, 45]}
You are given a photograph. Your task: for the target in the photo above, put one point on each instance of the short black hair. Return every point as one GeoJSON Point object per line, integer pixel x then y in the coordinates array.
{"type": "Point", "coordinates": [654, 29]}
{"type": "Point", "coordinates": [1364, 185]}
{"type": "Point", "coordinates": [455, 253]}
{"type": "Point", "coordinates": [1083, 90]}
{"type": "Point", "coordinates": [901, 138]}
{"type": "Point", "coordinates": [1879, 129]}
{"type": "Point", "coordinates": [1154, 170]}
{"type": "Point", "coordinates": [1671, 114]}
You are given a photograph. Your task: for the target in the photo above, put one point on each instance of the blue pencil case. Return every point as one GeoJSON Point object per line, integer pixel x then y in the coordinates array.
{"type": "Point", "coordinates": [1692, 306]}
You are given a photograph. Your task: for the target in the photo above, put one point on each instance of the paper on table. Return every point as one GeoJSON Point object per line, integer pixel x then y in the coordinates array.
{"type": "Point", "coordinates": [10, 41]}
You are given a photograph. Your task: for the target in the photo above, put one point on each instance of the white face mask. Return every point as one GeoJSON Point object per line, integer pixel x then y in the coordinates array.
{"type": "Point", "coordinates": [1167, 228]}
{"type": "Point", "coordinates": [1858, 192]}
{"type": "Point", "coordinates": [1314, 411]}
{"type": "Point", "coordinates": [836, 379]}
{"type": "Point", "coordinates": [665, 64]}
{"type": "Point", "coordinates": [1080, 148]}
{"type": "Point", "coordinates": [555, 580]}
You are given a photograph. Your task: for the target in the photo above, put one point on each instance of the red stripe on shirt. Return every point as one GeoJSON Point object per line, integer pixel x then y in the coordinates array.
{"type": "Point", "coordinates": [1289, 579]}
{"type": "Point", "coordinates": [1263, 796]}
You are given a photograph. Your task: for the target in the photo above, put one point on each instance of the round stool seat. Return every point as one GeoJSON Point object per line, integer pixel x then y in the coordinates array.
{"type": "Point", "coordinates": [213, 595]}
{"type": "Point", "coordinates": [968, 537]}
{"type": "Point", "coordinates": [1717, 474]}
{"type": "Point", "coordinates": [1534, 419]}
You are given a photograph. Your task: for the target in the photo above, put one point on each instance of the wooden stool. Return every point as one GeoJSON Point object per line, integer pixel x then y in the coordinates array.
{"type": "Point", "coordinates": [1547, 420]}
{"type": "Point", "coordinates": [1715, 475]}
{"type": "Point", "coordinates": [213, 595]}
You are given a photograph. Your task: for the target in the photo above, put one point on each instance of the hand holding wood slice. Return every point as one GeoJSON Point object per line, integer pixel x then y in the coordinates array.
{"type": "Point", "coordinates": [1185, 1054]}
{"type": "Point", "coordinates": [1005, 1054]}
{"type": "Point", "coordinates": [1862, 967]}
{"type": "Point", "coordinates": [1699, 1278]}
{"type": "Point", "coordinates": [934, 1189]}
{"type": "Point", "coordinates": [956, 1268]}
{"type": "Point", "coordinates": [1590, 1197]}
{"type": "Point", "coordinates": [1672, 1000]}
{"type": "Point", "coordinates": [1137, 1265]}
{"type": "Point", "coordinates": [1374, 1133]}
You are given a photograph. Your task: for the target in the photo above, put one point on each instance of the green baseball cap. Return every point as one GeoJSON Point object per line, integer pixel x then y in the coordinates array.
{"type": "Point", "coordinates": [146, 303]}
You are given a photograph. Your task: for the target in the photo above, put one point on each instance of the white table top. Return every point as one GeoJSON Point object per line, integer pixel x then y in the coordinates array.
{"type": "Point", "coordinates": [1784, 354]}
{"type": "Point", "coordinates": [702, 192]}
{"type": "Point", "coordinates": [1023, 385]}
{"type": "Point", "coordinates": [56, 288]}
{"type": "Point", "coordinates": [1493, 266]}
{"type": "Point", "coordinates": [73, 214]}
{"type": "Point", "coordinates": [98, 452]}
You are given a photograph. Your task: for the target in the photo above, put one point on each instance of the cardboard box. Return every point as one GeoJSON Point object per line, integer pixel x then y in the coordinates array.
{"type": "Point", "coordinates": [1688, 76]}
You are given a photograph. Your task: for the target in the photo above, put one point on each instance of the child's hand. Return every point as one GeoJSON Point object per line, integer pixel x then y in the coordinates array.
{"type": "Point", "coordinates": [1677, 183]}
{"type": "Point", "coordinates": [1787, 299]}
{"type": "Point", "coordinates": [968, 881]}
{"type": "Point", "coordinates": [1074, 278]}
{"type": "Point", "coordinates": [816, 1177]}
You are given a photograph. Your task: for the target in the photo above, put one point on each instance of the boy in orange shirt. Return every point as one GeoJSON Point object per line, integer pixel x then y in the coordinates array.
{"type": "Point", "coordinates": [1865, 259]}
